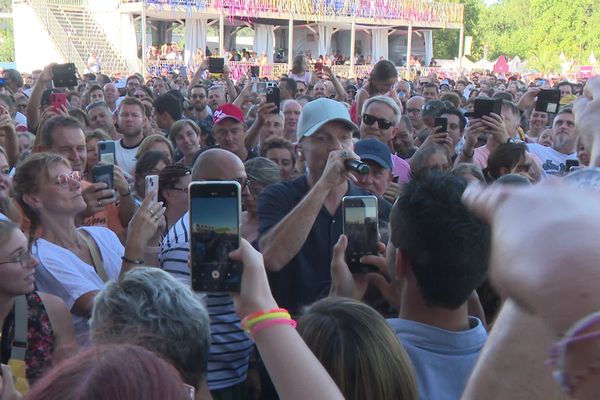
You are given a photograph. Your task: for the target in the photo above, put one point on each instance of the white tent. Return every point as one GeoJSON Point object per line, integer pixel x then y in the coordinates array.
{"type": "Point", "coordinates": [516, 65]}
{"type": "Point", "coordinates": [485, 64]}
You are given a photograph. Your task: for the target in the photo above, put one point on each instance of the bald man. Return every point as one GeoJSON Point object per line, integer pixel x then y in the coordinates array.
{"type": "Point", "coordinates": [228, 355]}
{"type": "Point", "coordinates": [414, 105]}
{"type": "Point", "coordinates": [291, 111]}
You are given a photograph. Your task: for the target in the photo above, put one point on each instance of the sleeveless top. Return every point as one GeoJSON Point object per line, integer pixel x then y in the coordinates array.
{"type": "Point", "coordinates": [40, 338]}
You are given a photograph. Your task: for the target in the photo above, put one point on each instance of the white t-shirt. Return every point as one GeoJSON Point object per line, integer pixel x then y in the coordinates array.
{"type": "Point", "coordinates": [553, 162]}
{"type": "Point", "coordinates": [65, 275]}
{"type": "Point", "coordinates": [126, 156]}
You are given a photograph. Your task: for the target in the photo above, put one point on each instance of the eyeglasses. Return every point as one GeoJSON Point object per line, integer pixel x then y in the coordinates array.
{"type": "Point", "coordinates": [413, 110]}
{"type": "Point", "coordinates": [23, 258]}
{"type": "Point", "coordinates": [66, 180]}
{"type": "Point", "coordinates": [382, 123]}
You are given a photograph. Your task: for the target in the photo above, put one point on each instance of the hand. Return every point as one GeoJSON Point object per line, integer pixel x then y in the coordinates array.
{"type": "Point", "coordinates": [148, 222]}
{"type": "Point", "coordinates": [439, 138]}
{"type": "Point", "coordinates": [264, 110]}
{"type": "Point", "coordinates": [121, 183]}
{"type": "Point", "coordinates": [335, 172]}
{"type": "Point", "coordinates": [6, 123]}
{"type": "Point", "coordinates": [255, 294]}
{"type": "Point", "coordinates": [7, 385]}
{"type": "Point", "coordinates": [587, 118]}
{"type": "Point", "coordinates": [47, 74]}
{"type": "Point", "coordinates": [527, 101]}
{"type": "Point", "coordinates": [391, 192]}
{"type": "Point", "coordinates": [327, 73]}
{"type": "Point", "coordinates": [97, 196]}
{"type": "Point", "coordinates": [534, 272]}
{"type": "Point", "coordinates": [474, 129]}
{"type": "Point", "coordinates": [494, 124]}
{"type": "Point", "coordinates": [226, 72]}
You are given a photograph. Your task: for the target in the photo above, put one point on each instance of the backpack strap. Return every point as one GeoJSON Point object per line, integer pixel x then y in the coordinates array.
{"type": "Point", "coordinates": [96, 259]}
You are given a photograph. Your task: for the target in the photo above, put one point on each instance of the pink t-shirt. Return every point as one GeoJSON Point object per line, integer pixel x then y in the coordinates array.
{"type": "Point", "coordinates": [401, 169]}
{"type": "Point", "coordinates": [480, 156]}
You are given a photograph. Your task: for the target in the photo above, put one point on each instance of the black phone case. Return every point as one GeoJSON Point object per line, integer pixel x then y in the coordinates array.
{"type": "Point", "coordinates": [273, 97]}
{"type": "Point", "coordinates": [548, 101]}
{"type": "Point", "coordinates": [216, 65]}
{"type": "Point", "coordinates": [65, 75]}
{"type": "Point", "coordinates": [443, 122]}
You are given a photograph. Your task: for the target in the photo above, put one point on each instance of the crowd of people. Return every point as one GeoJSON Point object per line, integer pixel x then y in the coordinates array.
{"type": "Point", "coordinates": [485, 264]}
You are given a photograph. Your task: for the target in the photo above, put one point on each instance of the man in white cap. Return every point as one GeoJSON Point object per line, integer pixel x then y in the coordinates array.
{"type": "Point", "coordinates": [300, 221]}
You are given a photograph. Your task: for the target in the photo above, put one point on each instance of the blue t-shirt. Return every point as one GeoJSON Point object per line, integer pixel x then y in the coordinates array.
{"type": "Point", "coordinates": [307, 277]}
{"type": "Point", "coordinates": [442, 359]}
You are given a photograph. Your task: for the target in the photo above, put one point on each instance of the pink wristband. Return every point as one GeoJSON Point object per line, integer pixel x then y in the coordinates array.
{"type": "Point", "coordinates": [271, 322]}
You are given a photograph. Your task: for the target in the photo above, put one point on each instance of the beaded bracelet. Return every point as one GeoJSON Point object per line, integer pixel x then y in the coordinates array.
{"type": "Point", "coordinates": [269, 323]}
{"type": "Point", "coordinates": [260, 313]}
{"type": "Point", "coordinates": [266, 317]}
{"type": "Point", "coordinates": [557, 353]}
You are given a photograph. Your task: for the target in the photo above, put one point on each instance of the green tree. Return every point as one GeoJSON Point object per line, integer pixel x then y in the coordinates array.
{"type": "Point", "coordinates": [446, 41]}
{"type": "Point", "coordinates": [7, 39]}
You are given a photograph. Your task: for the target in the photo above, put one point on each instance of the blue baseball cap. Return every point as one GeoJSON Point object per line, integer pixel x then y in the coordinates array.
{"type": "Point", "coordinates": [374, 150]}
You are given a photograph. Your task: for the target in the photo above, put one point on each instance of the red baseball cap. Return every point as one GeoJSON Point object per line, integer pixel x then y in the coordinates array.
{"type": "Point", "coordinates": [228, 110]}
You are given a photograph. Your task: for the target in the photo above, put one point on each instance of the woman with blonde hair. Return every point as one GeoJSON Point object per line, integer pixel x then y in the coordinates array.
{"type": "Point", "coordinates": [358, 349]}
{"type": "Point", "coordinates": [158, 143]}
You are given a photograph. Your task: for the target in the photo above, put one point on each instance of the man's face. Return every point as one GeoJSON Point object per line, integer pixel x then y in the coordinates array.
{"type": "Point", "coordinates": [377, 180]}
{"type": "Point", "coordinates": [291, 111]}
{"type": "Point", "coordinates": [413, 109]}
{"type": "Point", "coordinates": [21, 102]}
{"type": "Point", "coordinates": [565, 90]}
{"type": "Point", "coordinates": [101, 118]}
{"type": "Point", "coordinates": [300, 88]}
{"type": "Point", "coordinates": [430, 93]}
{"type": "Point", "coordinates": [383, 112]}
{"type": "Point", "coordinates": [198, 97]}
{"type": "Point", "coordinates": [160, 87]}
{"type": "Point", "coordinates": [316, 148]}
{"type": "Point", "coordinates": [216, 97]}
{"type": "Point", "coordinates": [96, 95]}
{"type": "Point", "coordinates": [131, 120]}
{"type": "Point", "coordinates": [133, 83]}
{"type": "Point", "coordinates": [453, 127]}
{"type": "Point", "coordinates": [538, 120]}
{"type": "Point", "coordinates": [70, 143]}
{"type": "Point", "coordinates": [111, 94]}
{"type": "Point", "coordinates": [284, 94]}
{"type": "Point", "coordinates": [283, 159]}
{"type": "Point", "coordinates": [564, 131]}
{"type": "Point", "coordinates": [403, 140]}
{"type": "Point", "coordinates": [460, 87]}
{"type": "Point", "coordinates": [273, 127]}
{"type": "Point", "coordinates": [229, 135]}
{"type": "Point", "coordinates": [403, 87]}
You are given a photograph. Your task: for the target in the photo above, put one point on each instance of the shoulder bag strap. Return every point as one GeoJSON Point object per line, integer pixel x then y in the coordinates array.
{"type": "Point", "coordinates": [19, 345]}
{"type": "Point", "coordinates": [96, 259]}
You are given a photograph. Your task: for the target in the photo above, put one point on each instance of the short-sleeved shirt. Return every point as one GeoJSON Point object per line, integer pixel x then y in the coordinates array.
{"type": "Point", "coordinates": [230, 347]}
{"type": "Point", "coordinates": [65, 275]}
{"type": "Point", "coordinates": [125, 156]}
{"type": "Point", "coordinates": [401, 169]}
{"type": "Point", "coordinates": [480, 156]}
{"type": "Point", "coordinates": [307, 277]}
{"type": "Point", "coordinates": [442, 359]}
{"type": "Point", "coordinates": [553, 162]}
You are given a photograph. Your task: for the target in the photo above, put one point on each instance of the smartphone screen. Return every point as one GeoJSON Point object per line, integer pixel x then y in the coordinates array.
{"type": "Point", "coordinates": [152, 186]}
{"type": "Point", "coordinates": [273, 97]}
{"type": "Point", "coordinates": [443, 122]}
{"type": "Point", "coordinates": [215, 214]}
{"type": "Point", "coordinates": [106, 152]}
{"type": "Point", "coordinates": [104, 173]}
{"type": "Point", "coordinates": [361, 226]}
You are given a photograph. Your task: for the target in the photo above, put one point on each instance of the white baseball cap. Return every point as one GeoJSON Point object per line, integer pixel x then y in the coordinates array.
{"type": "Point", "coordinates": [318, 112]}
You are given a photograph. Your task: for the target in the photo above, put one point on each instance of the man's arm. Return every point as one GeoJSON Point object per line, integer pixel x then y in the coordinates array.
{"type": "Point", "coordinates": [252, 136]}
{"type": "Point", "coordinates": [280, 244]}
{"type": "Point", "coordinates": [339, 89]}
{"type": "Point", "coordinates": [198, 74]}
{"type": "Point", "coordinates": [35, 100]}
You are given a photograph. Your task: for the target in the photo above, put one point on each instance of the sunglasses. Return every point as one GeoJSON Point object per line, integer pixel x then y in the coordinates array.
{"type": "Point", "coordinates": [382, 123]}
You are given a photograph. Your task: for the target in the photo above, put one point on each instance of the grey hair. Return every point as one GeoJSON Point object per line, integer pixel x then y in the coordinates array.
{"type": "Point", "coordinates": [388, 102]}
{"type": "Point", "coordinates": [263, 170]}
{"type": "Point", "coordinates": [150, 308]}
{"type": "Point", "coordinates": [462, 169]}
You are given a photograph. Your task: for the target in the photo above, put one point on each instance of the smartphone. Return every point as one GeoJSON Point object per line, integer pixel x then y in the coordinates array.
{"type": "Point", "coordinates": [216, 65]}
{"type": "Point", "coordinates": [443, 122]}
{"type": "Point", "coordinates": [571, 165]}
{"type": "Point", "coordinates": [319, 67]}
{"type": "Point", "coordinates": [361, 226]}
{"type": "Point", "coordinates": [2, 82]}
{"type": "Point", "coordinates": [104, 173]}
{"type": "Point", "coordinates": [254, 71]}
{"type": "Point", "coordinates": [65, 75]}
{"type": "Point", "coordinates": [485, 107]}
{"type": "Point", "coordinates": [58, 100]}
{"type": "Point", "coordinates": [548, 101]}
{"type": "Point", "coordinates": [259, 87]}
{"type": "Point", "coordinates": [152, 186]}
{"type": "Point", "coordinates": [273, 97]}
{"type": "Point", "coordinates": [106, 152]}
{"type": "Point", "coordinates": [215, 218]}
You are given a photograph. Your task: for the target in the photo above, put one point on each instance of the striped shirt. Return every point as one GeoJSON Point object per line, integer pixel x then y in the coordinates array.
{"type": "Point", "coordinates": [230, 346]}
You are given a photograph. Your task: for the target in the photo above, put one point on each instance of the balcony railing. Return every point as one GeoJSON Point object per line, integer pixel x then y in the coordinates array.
{"type": "Point", "coordinates": [414, 10]}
